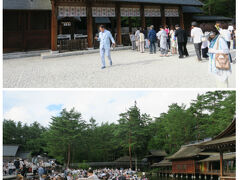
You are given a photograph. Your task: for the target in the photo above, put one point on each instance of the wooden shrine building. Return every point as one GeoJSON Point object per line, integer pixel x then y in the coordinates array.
{"type": "Point", "coordinates": [184, 161]}
{"type": "Point", "coordinates": [42, 24]}
{"type": "Point", "coordinates": [211, 166]}
{"type": "Point", "coordinates": [225, 142]}
{"type": "Point", "coordinates": [155, 11]}
{"type": "Point", "coordinates": [164, 167]}
{"type": "Point", "coordinates": [26, 25]}
{"type": "Point", "coordinates": [155, 156]}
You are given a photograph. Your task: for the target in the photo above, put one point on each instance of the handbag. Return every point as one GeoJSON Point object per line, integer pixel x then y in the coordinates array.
{"type": "Point", "coordinates": [222, 60]}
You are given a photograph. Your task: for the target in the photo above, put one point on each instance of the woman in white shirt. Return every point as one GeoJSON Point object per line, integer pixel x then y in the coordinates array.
{"type": "Point", "coordinates": [142, 41]}
{"type": "Point", "coordinates": [226, 34]}
{"type": "Point", "coordinates": [173, 41]}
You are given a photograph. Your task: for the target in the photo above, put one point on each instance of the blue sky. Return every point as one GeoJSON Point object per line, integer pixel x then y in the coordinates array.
{"type": "Point", "coordinates": [103, 105]}
{"type": "Point", "coordinates": [55, 107]}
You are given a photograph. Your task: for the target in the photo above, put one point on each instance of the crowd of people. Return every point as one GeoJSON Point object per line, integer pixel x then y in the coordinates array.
{"type": "Point", "coordinates": [104, 174]}
{"type": "Point", "coordinates": [49, 170]}
{"type": "Point", "coordinates": [169, 40]}
{"type": "Point", "coordinates": [21, 168]}
{"type": "Point", "coordinates": [210, 42]}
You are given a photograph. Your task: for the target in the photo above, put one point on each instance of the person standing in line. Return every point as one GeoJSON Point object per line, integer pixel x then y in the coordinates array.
{"type": "Point", "coordinates": [145, 32]}
{"type": "Point", "coordinates": [181, 36]}
{"type": "Point", "coordinates": [137, 39]}
{"type": "Point", "coordinates": [104, 37]}
{"type": "Point", "coordinates": [173, 41]}
{"type": "Point", "coordinates": [133, 40]}
{"type": "Point", "coordinates": [226, 34]}
{"type": "Point", "coordinates": [185, 51]}
{"type": "Point", "coordinates": [205, 45]}
{"type": "Point", "coordinates": [168, 37]}
{"type": "Point", "coordinates": [196, 34]}
{"type": "Point", "coordinates": [163, 42]}
{"type": "Point", "coordinates": [158, 38]}
{"type": "Point", "coordinates": [152, 37]}
{"type": "Point", "coordinates": [141, 40]}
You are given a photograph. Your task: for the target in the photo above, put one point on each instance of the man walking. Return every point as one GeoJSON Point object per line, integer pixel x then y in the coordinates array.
{"type": "Point", "coordinates": [181, 36]}
{"type": "Point", "coordinates": [196, 34]}
{"type": "Point", "coordinates": [104, 37]}
{"type": "Point", "coordinates": [152, 37]}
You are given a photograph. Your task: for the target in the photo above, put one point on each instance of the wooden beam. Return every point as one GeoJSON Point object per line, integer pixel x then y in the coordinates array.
{"type": "Point", "coordinates": [119, 22]}
{"type": "Point", "coordinates": [54, 24]}
{"type": "Point", "coordinates": [164, 22]}
{"type": "Point", "coordinates": [143, 20]}
{"type": "Point", "coordinates": [89, 25]}
{"type": "Point", "coordinates": [221, 164]}
{"type": "Point", "coordinates": [181, 17]}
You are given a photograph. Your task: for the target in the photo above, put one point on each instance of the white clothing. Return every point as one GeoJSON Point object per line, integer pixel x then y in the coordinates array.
{"type": "Point", "coordinates": [197, 34]}
{"type": "Point", "coordinates": [226, 34]}
{"type": "Point", "coordinates": [93, 177]}
{"type": "Point", "coordinates": [11, 166]}
{"type": "Point", "coordinates": [137, 35]}
{"type": "Point", "coordinates": [132, 37]}
{"type": "Point", "coordinates": [141, 37]}
{"type": "Point", "coordinates": [230, 28]}
{"type": "Point", "coordinates": [205, 44]}
{"type": "Point", "coordinates": [159, 35]}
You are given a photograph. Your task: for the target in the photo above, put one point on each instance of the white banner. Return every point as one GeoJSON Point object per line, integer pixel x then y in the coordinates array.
{"type": "Point", "coordinates": [130, 12]}
{"type": "Point", "coordinates": [72, 11]}
{"type": "Point", "coordinates": [153, 12]}
{"type": "Point", "coordinates": [103, 12]}
{"type": "Point", "coordinates": [171, 13]}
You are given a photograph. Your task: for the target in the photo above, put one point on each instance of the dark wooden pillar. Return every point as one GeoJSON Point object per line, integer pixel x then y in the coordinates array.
{"type": "Point", "coordinates": [221, 164]}
{"type": "Point", "coordinates": [181, 17]}
{"type": "Point", "coordinates": [163, 15]}
{"type": "Point", "coordinates": [130, 24]}
{"type": "Point", "coordinates": [89, 25]}
{"type": "Point", "coordinates": [54, 27]}
{"type": "Point", "coordinates": [143, 20]}
{"type": "Point", "coordinates": [119, 22]}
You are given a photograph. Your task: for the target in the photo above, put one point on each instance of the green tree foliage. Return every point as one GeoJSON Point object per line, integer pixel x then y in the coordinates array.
{"type": "Point", "coordinates": [64, 132]}
{"type": "Point", "coordinates": [70, 139]}
{"type": "Point", "coordinates": [133, 130]}
{"type": "Point", "coordinates": [29, 137]}
{"type": "Point", "coordinates": [220, 7]}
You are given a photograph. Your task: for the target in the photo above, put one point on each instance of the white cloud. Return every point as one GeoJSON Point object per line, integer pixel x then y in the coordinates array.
{"type": "Point", "coordinates": [103, 105]}
{"type": "Point", "coordinates": [18, 114]}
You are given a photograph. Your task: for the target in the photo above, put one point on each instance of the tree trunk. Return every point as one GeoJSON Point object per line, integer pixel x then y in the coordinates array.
{"type": "Point", "coordinates": [130, 153]}
{"type": "Point", "coordinates": [69, 156]}
{"type": "Point", "coordinates": [136, 166]}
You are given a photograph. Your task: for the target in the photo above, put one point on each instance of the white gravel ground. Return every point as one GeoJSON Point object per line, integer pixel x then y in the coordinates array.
{"type": "Point", "coordinates": [130, 69]}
